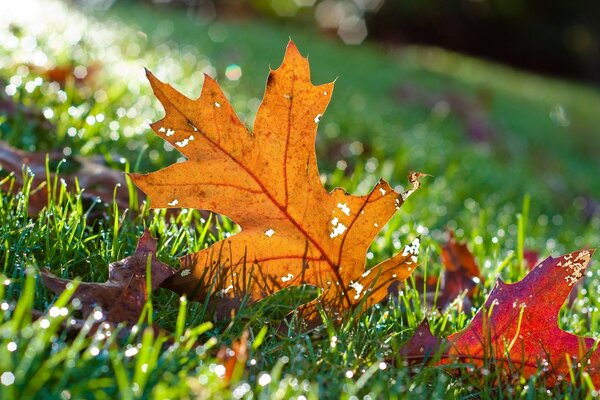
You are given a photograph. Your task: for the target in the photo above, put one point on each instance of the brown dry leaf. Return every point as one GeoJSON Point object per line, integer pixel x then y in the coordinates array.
{"type": "Point", "coordinates": [97, 180]}
{"type": "Point", "coordinates": [293, 231]}
{"type": "Point", "coordinates": [460, 273]}
{"type": "Point", "coordinates": [459, 276]}
{"type": "Point", "coordinates": [123, 295]}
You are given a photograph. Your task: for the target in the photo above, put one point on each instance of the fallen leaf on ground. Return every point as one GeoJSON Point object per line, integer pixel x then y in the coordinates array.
{"type": "Point", "coordinates": [65, 73]}
{"type": "Point", "coordinates": [531, 257]}
{"type": "Point", "coordinates": [234, 358]}
{"type": "Point", "coordinates": [460, 274]}
{"type": "Point", "coordinates": [472, 113]}
{"type": "Point", "coordinates": [517, 328]}
{"type": "Point", "coordinates": [293, 231]}
{"type": "Point", "coordinates": [97, 180]}
{"type": "Point", "coordinates": [122, 297]}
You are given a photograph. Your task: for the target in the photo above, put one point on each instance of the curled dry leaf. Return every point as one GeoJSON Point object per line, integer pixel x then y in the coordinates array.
{"type": "Point", "coordinates": [123, 295]}
{"type": "Point", "coordinates": [97, 180]}
{"type": "Point", "coordinates": [293, 231]}
{"type": "Point", "coordinates": [517, 328]}
{"type": "Point", "coordinates": [460, 275]}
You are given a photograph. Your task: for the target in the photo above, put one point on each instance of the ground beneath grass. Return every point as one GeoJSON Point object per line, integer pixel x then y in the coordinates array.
{"type": "Point", "coordinates": [513, 163]}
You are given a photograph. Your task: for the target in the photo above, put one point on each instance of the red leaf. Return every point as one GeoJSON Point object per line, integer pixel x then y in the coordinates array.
{"type": "Point", "coordinates": [518, 327]}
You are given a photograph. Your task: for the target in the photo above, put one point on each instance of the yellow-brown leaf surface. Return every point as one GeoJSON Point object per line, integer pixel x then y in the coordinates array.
{"type": "Point", "coordinates": [293, 231]}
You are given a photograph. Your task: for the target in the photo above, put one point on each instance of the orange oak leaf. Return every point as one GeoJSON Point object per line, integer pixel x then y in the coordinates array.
{"type": "Point", "coordinates": [122, 297]}
{"type": "Point", "coordinates": [517, 328]}
{"type": "Point", "coordinates": [293, 231]}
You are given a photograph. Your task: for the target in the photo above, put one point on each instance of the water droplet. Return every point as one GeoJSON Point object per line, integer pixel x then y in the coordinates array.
{"type": "Point", "coordinates": [131, 352]}
{"type": "Point", "coordinates": [264, 379]}
{"type": "Point", "coordinates": [7, 378]}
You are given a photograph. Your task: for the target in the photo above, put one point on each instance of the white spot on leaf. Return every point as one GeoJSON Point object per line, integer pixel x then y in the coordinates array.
{"type": "Point", "coordinates": [185, 141]}
{"type": "Point", "coordinates": [223, 292]}
{"type": "Point", "coordinates": [344, 207]}
{"type": "Point", "coordinates": [358, 287]}
{"type": "Point", "coordinates": [338, 229]}
{"type": "Point", "coordinates": [412, 249]}
{"type": "Point", "coordinates": [270, 232]}
{"type": "Point", "coordinates": [318, 118]}
{"type": "Point", "coordinates": [173, 203]}
{"type": "Point", "coordinates": [287, 278]}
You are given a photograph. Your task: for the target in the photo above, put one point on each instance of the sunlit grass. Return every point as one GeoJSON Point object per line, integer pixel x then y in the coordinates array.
{"type": "Point", "coordinates": [477, 190]}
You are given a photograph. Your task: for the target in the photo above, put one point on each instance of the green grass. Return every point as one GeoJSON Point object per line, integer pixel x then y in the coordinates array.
{"type": "Point", "coordinates": [543, 149]}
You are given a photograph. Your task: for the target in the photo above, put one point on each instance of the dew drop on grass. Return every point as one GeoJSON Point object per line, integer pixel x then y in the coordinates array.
{"type": "Point", "coordinates": [219, 370]}
{"type": "Point", "coordinates": [131, 352]}
{"type": "Point", "coordinates": [7, 378]}
{"type": "Point", "coordinates": [264, 379]}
